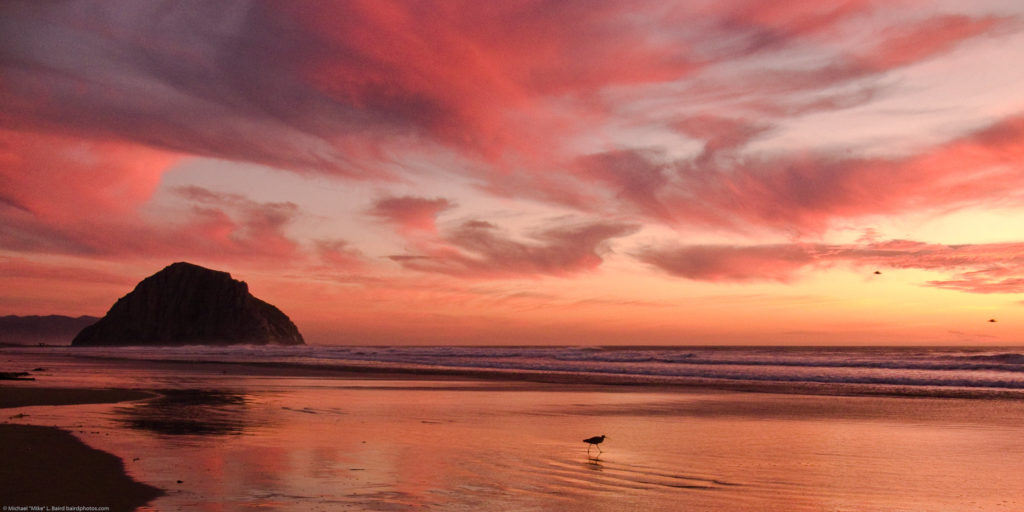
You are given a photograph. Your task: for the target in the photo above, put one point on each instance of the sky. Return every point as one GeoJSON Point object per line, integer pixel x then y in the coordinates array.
{"type": "Point", "coordinates": [527, 172]}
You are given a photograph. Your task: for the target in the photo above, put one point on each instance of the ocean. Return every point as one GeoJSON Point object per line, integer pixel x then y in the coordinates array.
{"type": "Point", "coordinates": [937, 371]}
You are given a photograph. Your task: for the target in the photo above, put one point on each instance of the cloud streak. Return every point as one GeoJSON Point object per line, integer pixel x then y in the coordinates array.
{"type": "Point", "coordinates": [340, 255]}
{"type": "Point", "coordinates": [410, 213]}
{"type": "Point", "coordinates": [976, 268]}
{"type": "Point", "coordinates": [235, 224]}
{"type": "Point", "coordinates": [807, 193]}
{"type": "Point", "coordinates": [478, 249]}
{"type": "Point", "coordinates": [323, 87]}
{"type": "Point", "coordinates": [304, 87]}
{"type": "Point", "coordinates": [54, 190]}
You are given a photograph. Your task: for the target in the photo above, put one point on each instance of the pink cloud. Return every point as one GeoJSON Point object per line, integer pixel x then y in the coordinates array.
{"type": "Point", "coordinates": [902, 45]}
{"type": "Point", "coordinates": [765, 26]}
{"type": "Point", "coordinates": [71, 196]}
{"type": "Point", "coordinates": [478, 249]}
{"type": "Point", "coordinates": [806, 193]}
{"type": "Point", "coordinates": [892, 47]}
{"type": "Point", "coordinates": [976, 268]}
{"type": "Point", "coordinates": [639, 178]}
{"type": "Point", "coordinates": [456, 71]}
{"type": "Point", "coordinates": [895, 46]}
{"type": "Point", "coordinates": [54, 189]}
{"type": "Point", "coordinates": [720, 134]}
{"type": "Point", "coordinates": [325, 86]}
{"type": "Point", "coordinates": [730, 263]}
{"type": "Point", "coordinates": [411, 213]}
{"type": "Point", "coordinates": [981, 283]}
{"type": "Point", "coordinates": [340, 255]}
{"type": "Point", "coordinates": [848, 48]}
{"type": "Point", "coordinates": [59, 178]}
{"type": "Point", "coordinates": [235, 224]}
{"type": "Point", "coordinates": [635, 177]}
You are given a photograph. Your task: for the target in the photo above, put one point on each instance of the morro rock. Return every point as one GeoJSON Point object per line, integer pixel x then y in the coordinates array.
{"type": "Point", "coordinates": [185, 304]}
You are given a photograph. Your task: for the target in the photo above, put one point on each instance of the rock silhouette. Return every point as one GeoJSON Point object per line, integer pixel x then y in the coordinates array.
{"type": "Point", "coordinates": [185, 304]}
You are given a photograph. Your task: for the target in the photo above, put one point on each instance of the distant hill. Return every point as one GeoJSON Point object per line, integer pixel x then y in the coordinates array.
{"type": "Point", "coordinates": [49, 329]}
{"type": "Point", "coordinates": [185, 304]}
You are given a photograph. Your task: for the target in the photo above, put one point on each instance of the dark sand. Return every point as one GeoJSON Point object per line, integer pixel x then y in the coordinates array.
{"type": "Point", "coordinates": [25, 396]}
{"type": "Point", "coordinates": [47, 466]}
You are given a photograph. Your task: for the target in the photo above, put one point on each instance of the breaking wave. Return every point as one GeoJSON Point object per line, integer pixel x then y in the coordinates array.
{"type": "Point", "coordinates": [897, 369]}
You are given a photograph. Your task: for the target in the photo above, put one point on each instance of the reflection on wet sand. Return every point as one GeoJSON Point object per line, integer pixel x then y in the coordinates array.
{"type": "Point", "coordinates": [296, 444]}
{"type": "Point", "coordinates": [190, 412]}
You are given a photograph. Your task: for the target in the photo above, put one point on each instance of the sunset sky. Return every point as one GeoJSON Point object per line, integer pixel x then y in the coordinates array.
{"type": "Point", "coordinates": [527, 172]}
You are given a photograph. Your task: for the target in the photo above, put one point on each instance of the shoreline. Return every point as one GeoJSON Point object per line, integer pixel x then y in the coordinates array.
{"type": "Point", "coordinates": [49, 466]}
{"type": "Point", "coordinates": [577, 381]}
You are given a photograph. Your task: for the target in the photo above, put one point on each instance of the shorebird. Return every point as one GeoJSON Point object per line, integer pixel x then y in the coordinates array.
{"type": "Point", "coordinates": [594, 441]}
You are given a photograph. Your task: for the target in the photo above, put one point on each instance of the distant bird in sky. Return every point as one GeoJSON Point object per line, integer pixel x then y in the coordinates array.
{"type": "Point", "coordinates": [594, 441]}
{"type": "Point", "coordinates": [993, 320]}
{"type": "Point", "coordinates": [878, 272]}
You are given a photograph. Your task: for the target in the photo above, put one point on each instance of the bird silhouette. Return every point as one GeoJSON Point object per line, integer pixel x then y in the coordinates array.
{"type": "Point", "coordinates": [594, 441]}
{"type": "Point", "coordinates": [992, 320]}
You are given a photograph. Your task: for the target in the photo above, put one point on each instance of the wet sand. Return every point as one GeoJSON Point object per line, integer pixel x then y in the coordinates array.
{"type": "Point", "coordinates": [25, 396]}
{"type": "Point", "coordinates": [50, 467]}
{"type": "Point", "coordinates": [240, 439]}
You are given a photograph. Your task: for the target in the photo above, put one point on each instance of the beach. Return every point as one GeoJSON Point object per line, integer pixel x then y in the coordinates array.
{"type": "Point", "coordinates": [49, 467]}
{"type": "Point", "coordinates": [240, 437]}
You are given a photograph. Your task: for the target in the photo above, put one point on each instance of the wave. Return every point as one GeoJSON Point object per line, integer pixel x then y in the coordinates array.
{"type": "Point", "coordinates": [1011, 358]}
{"type": "Point", "coordinates": [968, 368]}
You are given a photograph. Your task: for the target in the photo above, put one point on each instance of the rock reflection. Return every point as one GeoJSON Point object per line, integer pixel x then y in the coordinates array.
{"type": "Point", "coordinates": [190, 412]}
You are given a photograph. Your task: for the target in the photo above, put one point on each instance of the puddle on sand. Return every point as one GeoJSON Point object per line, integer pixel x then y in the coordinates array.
{"type": "Point", "coordinates": [190, 412]}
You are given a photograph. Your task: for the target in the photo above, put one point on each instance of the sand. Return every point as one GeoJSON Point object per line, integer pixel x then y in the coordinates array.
{"type": "Point", "coordinates": [25, 396]}
{"type": "Point", "coordinates": [47, 466]}
{"type": "Point", "coordinates": [241, 440]}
